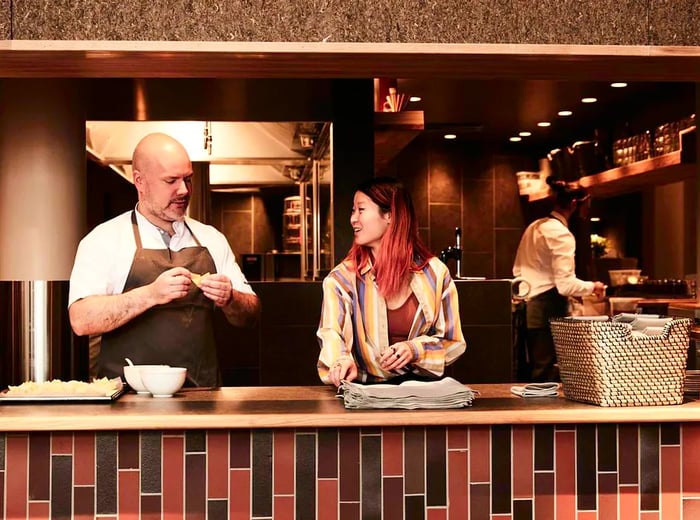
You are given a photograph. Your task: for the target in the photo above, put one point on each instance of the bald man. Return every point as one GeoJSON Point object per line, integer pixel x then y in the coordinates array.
{"type": "Point", "coordinates": [137, 278]}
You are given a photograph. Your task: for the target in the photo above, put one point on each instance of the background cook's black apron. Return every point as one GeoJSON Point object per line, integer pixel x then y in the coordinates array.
{"type": "Point", "coordinates": [540, 345]}
{"type": "Point", "coordinates": [178, 333]}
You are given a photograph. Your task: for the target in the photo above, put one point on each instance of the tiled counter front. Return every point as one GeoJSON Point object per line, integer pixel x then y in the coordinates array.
{"type": "Point", "coordinates": [626, 471]}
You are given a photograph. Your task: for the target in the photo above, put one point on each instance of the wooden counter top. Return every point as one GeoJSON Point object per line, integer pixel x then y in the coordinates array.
{"type": "Point", "coordinates": [314, 406]}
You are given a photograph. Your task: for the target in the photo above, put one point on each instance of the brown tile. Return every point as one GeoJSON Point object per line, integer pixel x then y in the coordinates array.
{"type": "Point", "coordinates": [371, 476]}
{"type": "Point", "coordinates": [327, 499]}
{"type": "Point", "coordinates": [239, 495]}
{"type": "Point", "coordinates": [607, 447]}
{"type": "Point", "coordinates": [238, 229]}
{"type": "Point", "coordinates": [2, 486]}
{"type": "Point", "coordinates": [151, 447]}
{"type": "Point", "coordinates": [523, 509]}
{"type": "Point", "coordinates": [479, 502]}
{"type": "Point", "coordinates": [305, 475]}
{"type": "Point", "coordinates": [478, 264]}
{"type": "Point", "coordinates": [195, 441]}
{"type": "Point", "coordinates": [413, 460]}
{"type": "Point", "coordinates": [61, 443]}
{"type": "Point", "coordinates": [478, 216]}
{"type": "Point", "coordinates": [458, 483]}
{"type": "Point", "coordinates": [173, 474]}
{"type": "Point", "coordinates": [349, 447]}
{"type": "Point", "coordinates": [565, 462]}
{"type": "Point", "coordinates": [628, 446]}
{"type": "Point", "coordinates": [479, 454]}
{"type": "Point", "coordinates": [39, 466]}
{"type": "Point", "coordinates": [544, 496]}
{"type": "Point", "coordinates": [392, 452]}
{"type": "Point", "coordinates": [392, 495]}
{"type": "Point", "coordinates": [445, 179]}
{"type": "Point", "coordinates": [670, 491]}
{"type": "Point", "coordinates": [523, 453]}
{"type": "Point", "coordinates": [690, 450]}
{"type": "Point", "coordinates": [629, 502]}
{"type": "Point", "coordinates": [415, 507]}
{"type": "Point", "coordinates": [150, 507]}
{"type": "Point", "coordinates": [84, 459]}
{"type": "Point", "coordinates": [501, 460]}
{"type": "Point", "coordinates": [84, 502]}
{"type": "Point", "coordinates": [586, 467]}
{"type": "Point", "coordinates": [457, 438]}
{"type": "Point", "coordinates": [239, 445]}
{"type": "Point", "coordinates": [106, 462]}
{"type": "Point", "coordinates": [436, 466]}
{"type": "Point", "coordinates": [128, 450]}
{"type": "Point", "coordinates": [413, 173]}
{"type": "Point", "coordinates": [61, 486]}
{"type": "Point", "coordinates": [328, 453]}
{"type": "Point", "coordinates": [349, 511]}
{"type": "Point", "coordinates": [195, 486]}
{"type": "Point", "coordinates": [129, 497]}
{"type": "Point", "coordinates": [217, 464]}
{"type": "Point", "coordinates": [444, 218]}
{"type": "Point", "coordinates": [508, 212]}
{"type": "Point", "coordinates": [649, 466]}
{"type": "Point", "coordinates": [40, 511]}
{"type": "Point", "coordinates": [607, 495]}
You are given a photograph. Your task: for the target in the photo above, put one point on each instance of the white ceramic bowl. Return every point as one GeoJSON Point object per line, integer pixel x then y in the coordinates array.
{"type": "Point", "coordinates": [132, 373]}
{"type": "Point", "coordinates": [163, 381]}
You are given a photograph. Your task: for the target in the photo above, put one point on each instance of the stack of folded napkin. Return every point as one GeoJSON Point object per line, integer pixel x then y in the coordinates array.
{"type": "Point", "coordinates": [536, 390]}
{"type": "Point", "coordinates": [411, 395]}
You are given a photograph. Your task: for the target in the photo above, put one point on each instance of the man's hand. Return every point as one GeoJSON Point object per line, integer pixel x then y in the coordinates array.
{"type": "Point", "coordinates": [217, 287]}
{"type": "Point", "coordinates": [170, 285]}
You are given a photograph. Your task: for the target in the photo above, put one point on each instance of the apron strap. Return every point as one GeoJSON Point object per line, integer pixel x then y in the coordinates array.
{"type": "Point", "coordinates": [137, 234]}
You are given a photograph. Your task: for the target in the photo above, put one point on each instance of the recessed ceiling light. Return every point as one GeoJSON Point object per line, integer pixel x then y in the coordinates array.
{"type": "Point", "coordinates": [618, 84]}
{"type": "Point", "coordinates": [589, 100]}
{"type": "Point", "coordinates": [595, 219]}
{"type": "Point", "coordinates": [415, 99]}
{"type": "Point", "coordinates": [515, 139]}
{"type": "Point", "coordinates": [544, 124]}
{"type": "Point", "coordinates": [524, 134]}
{"type": "Point", "coordinates": [564, 113]}
{"type": "Point", "coordinates": [450, 136]}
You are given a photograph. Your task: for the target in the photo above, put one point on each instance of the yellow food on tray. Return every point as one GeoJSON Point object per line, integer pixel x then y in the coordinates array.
{"type": "Point", "coordinates": [98, 387]}
{"type": "Point", "coordinates": [197, 278]}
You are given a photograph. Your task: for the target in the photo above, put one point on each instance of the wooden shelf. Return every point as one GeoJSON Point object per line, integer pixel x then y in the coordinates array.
{"type": "Point", "coordinates": [392, 133]}
{"type": "Point", "coordinates": [663, 169]}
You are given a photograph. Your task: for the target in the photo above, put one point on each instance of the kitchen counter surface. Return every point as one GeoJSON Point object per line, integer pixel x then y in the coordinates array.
{"type": "Point", "coordinates": [314, 406]}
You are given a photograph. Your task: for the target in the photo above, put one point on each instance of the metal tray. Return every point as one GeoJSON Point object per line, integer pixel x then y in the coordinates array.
{"type": "Point", "coordinates": [62, 399]}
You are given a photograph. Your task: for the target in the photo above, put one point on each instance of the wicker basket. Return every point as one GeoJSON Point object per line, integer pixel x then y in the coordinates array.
{"type": "Point", "coordinates": [602, 363]}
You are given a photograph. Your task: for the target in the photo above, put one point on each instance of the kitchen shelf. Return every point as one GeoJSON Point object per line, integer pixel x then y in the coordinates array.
{"type": "Point", "coordinates": [663, 169]}
{"type": "Point", "coordinates": [392, 133]}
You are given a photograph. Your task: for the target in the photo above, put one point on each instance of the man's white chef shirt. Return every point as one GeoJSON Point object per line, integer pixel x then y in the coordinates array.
{"type": "Point", "coordinates": [104, 255]}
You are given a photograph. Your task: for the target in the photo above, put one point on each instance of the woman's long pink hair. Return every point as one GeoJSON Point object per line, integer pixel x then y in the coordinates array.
{"type": "Point", "coordinates": [401, 251]}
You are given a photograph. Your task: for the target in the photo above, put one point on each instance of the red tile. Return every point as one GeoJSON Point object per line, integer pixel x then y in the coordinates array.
{"type": "Point", "coordinates": [83, 502]}
{"type": "Point", "coordinates": [629, 502]}
{"type": "Point", "coordinates": [217, 464]}
{"type": "Point", "coordinates": [39, 510]}
{"type": "Point", "coordinates": [565, 474]}
{"type": "Point", "coordinates": [392, 452]}
{"type": "Point", "coordinates": [438, 513]}
{"type": "Point", "coordinates": [523, 462]}
{"type": "Point", "coordinates": [501, 517]}
{"type": "Point", "coordinates": [239, 495]}
{"type": "Point", "coordinates": [691, 508]}
{"type": "Point", "coordinates": [457, 438]}
{"type": "Point", "coordinates": [652, 515]}
{"type": "Point", "coordinates": [544, 496]}
{"type": "Point", "coordinates": [16, 462]}
{"type": "Point", "coordinates": [283, 508]}
{"type": "Point", "coordinates": [457, 484]}
{"type": "Point", "coordinates": [283, 462]}
{"type": "Point", "coordinates": [690, 455]}
{"type": "Point", "coordinates": [607, 496]}
{"type": "Point", "coordinates": [587, 515]}
{"type": "Point", "coordinates": [479, 454]}
{"type": "Point", "coordinates": [327, 499]}
{"type": "Point", "coordinates": [173, 477]}
{"type": "Point", "coordinates": [61, 443]}
{"type": "Point", "coordinates": [670, 481]}
{"type": "Point", "coordinates": [128, 482]}
{"type": "Point", "coordinates": [84, 459]}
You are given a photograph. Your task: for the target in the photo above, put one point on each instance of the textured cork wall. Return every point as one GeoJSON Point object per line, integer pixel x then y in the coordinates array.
{"type": "Point", "coordinates": [627, 22]}
{"type": "Point", "coordinates": [626, 472]}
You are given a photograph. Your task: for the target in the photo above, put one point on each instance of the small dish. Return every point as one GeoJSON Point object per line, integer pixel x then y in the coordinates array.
{"type": "Point", "coordinates": [163, 381]}
{"type": "Point", "coordinates": [132, 374]}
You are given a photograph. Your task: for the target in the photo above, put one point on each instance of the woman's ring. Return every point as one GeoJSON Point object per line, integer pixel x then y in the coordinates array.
{"type": "Point", "coordinates": [393, 349]}
{"type": "Point", "coordinates": [397, 355]}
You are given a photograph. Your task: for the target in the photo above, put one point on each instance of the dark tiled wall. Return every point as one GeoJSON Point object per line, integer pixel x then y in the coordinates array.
{"type": "Point", "coordinates": [523, 472]}
{"type": "Point", "coordinates": [454, 185]}
{"type": "Point", "coordinates": [636, 22]}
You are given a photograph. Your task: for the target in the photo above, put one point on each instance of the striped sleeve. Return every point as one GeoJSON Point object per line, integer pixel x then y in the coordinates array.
{"type": "Point", "coordinates": [334, 333]}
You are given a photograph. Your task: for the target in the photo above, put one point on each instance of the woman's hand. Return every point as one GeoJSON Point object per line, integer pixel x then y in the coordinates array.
{"type": "Point", "coordinates": [344, 368]}
{"type": "Point", "coordinates": [396, 356]}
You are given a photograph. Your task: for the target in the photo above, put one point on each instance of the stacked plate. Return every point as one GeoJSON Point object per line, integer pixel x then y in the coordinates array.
{"type": "Point", "coordinates": [692, 382]}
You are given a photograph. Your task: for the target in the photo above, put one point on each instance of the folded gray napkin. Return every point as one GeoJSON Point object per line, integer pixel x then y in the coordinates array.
{"type": "Point", "coordinates": [411, 395]}
{"type": "Point", "coordinates": [536, 390]}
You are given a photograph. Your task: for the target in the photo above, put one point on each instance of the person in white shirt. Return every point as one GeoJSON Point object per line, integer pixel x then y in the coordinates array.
{"type": "Point", "coordinates": [545, 258]}
{"type": "Point", "coordinates": [137, 278]}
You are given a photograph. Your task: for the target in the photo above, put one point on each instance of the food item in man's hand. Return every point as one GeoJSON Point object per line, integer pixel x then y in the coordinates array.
{"type": "Point", "coordinates": [98, 387]}
{"type": "Point", "coordinates": [197, 278]}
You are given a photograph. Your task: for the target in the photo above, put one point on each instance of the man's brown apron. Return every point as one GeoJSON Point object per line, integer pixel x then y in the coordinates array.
{"type": "Point", "coordinates": [179, 333]}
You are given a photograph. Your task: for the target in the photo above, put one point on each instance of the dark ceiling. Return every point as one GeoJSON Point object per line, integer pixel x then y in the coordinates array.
{"type": "Point", "coordinates": [491, 111]}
